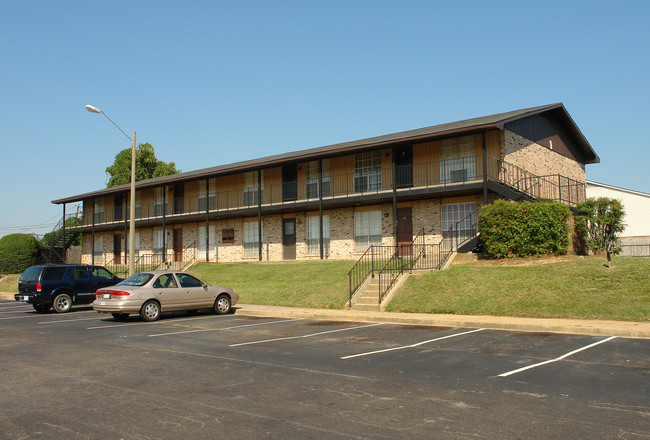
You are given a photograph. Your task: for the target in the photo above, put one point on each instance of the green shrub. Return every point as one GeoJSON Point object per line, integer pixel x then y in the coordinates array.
{"type": "Point", "coordinates": [524, 229]}
{"type": "Point", "coordinates": [17, 252]}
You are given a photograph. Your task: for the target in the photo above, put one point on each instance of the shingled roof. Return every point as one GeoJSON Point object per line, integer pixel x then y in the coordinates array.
{"type": "Point", "coordinates": [497, 121]}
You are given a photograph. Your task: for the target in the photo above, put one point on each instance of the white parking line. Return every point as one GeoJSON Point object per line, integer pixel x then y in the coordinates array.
{"type": "Point", "coordinates": [412, 345]}
{"type": "Point", "coordinates": [163, 321]}
{"type": "Point", "coordinates": [564, 356]}
{"type": "Point", "coordinates": [58, 321]}
{"type": "Point", "coordinates": [304, 336]}
{"type": "Point", "coordinates": [222, 328]}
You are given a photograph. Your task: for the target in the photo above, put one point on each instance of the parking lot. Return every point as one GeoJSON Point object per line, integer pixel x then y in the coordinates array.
{"type": "Point", "coordinates": [83, 375]}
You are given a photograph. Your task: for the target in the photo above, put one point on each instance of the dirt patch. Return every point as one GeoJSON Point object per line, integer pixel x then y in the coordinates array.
{"type": "Point", "coordinates": [477, 260]}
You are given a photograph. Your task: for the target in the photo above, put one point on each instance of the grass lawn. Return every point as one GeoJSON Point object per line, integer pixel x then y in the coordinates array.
{"type": "Point", "coordinates": [318, 284]}
{"type": "Point", "coordinates": [9, 283]}
{"type": "Point", "coordinates": [566, 287]}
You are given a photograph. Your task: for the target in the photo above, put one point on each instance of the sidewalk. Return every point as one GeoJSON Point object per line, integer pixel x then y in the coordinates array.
{"type": "Point", "coordinates": [568, 326]}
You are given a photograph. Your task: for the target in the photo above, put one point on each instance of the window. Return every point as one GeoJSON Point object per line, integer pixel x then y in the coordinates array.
{"type": "Point", "coordinates": [165, 281]}
{"type": "Point", "coordinates": [137, 244]}
{"type": "Point", "coordinates": [251, 239]}
{"type": "Point", "coordinates": [211, 244]}
{"type": "Point", "coordinates": [158, 201]}
{"type": "Point", "coordinates": [55, 273]}
{"type": "Point", "coordinates": [312, 178]}
{"type": "Point", "coordinates": [228, 236]}
{"type": "Point", "coordinates": [367, 171]}
{"type": "Point", "coordinates": [454, 213]}
{"type": "Point", "coordinates": [98, 250]}
{"type": "Point", "coordinates": [313, 234]}
{"type": "Point", "coordinates": [186, 280]}
{"type": "Point", "coordinates": [158, 244]}
{"type": "Point", "coordinates": [138, 205]}
{"type": "Point", "coordinates": [101, 273]}
{"type": "Point", "coordinates": [367, 230]}
{"type": "Point", "coordinates": [207, 195]}
{"type": "Point", "coordinates": [457, 159]}
{"type": "Point", "coordinates": [80, 273]}
{"type": "Point", "coordinates": [98, 212]}
{"type": "Point", "coordinates": [250, 188]}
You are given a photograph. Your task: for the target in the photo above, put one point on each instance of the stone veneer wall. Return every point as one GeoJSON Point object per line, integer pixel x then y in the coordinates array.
{"type": "Point", "coordinates": [538, 159]}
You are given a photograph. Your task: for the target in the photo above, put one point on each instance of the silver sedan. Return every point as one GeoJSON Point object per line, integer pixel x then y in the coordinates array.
{"type": "Point", "coordinates": [151, 293]}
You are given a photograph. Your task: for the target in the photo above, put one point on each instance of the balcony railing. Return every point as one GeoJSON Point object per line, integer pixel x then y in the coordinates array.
{"type": "Point", "coordinates": [432, 176]}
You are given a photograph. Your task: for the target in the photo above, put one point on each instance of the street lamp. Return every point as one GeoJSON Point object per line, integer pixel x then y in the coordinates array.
{"type": "Point", "coordinates": [93, 109]}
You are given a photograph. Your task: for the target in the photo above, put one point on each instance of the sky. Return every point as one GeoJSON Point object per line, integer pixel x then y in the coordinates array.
{"type": "Point", "coordinates": [209, 83]}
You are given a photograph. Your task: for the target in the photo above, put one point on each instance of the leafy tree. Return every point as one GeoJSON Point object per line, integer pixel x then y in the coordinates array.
{"type": "Point", "coordinates": [599, 223]}
{"type": "Point", "coordinates": [17, 252]}
{"type": "Point", "coordinates": [147, 166]}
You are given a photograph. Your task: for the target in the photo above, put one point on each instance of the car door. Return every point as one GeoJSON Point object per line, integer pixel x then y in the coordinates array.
{"type": "Point", "coordinates": [167, 291]}
{"type": "Point", "coordinates": [196, 295]}
{"type": "Point", "coordinates": [82, 285]}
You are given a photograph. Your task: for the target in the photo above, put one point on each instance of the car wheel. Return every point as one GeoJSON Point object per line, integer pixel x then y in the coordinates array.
{"type": "Point", "coordinates": [150, 311]}
{"type": "Point", "coordinates": [62, 303]}
{"type": "Point", "coordinates": [120, 316]}
{"type": "Point", "coordinates": [222, 305]}
{"type": "Point", "coordinates": [41, 308]}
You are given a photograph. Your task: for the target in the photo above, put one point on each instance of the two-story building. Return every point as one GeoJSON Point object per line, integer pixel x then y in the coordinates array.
{"type": "Point", "coordinates": [335, 201]}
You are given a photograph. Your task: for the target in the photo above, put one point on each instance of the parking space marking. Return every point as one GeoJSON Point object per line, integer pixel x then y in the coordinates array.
{"type": "Point", "coordinates": [59, 321]}
{"type": "Point", "coordinates": [161, 321]}
{"type": "Point", "coordinates": [370, 353]}
{"type": "Point", "coordinates": [304, 336]}
{"type": "Point", "coordinates": [222, 328]}
{"type": "Point", "coordinates": [564, 356]}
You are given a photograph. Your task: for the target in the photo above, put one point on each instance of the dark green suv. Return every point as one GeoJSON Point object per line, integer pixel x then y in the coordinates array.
{"type": "Point", "coordinates": [59, 286]}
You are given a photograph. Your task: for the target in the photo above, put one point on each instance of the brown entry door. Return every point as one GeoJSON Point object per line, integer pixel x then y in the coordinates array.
{"type": "Point", "coordinates": [178, 245]}
{"type": "Point", "coordinates": [404, 229]}
{"type": "Point", "coordinates": [289, 238]}
{"type": "Point", "coordinates": [117, 249]}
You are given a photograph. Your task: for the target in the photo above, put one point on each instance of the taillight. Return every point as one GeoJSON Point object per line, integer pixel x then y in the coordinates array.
{"type": "Point", "coordinates": [38, 287]}
{"type": "Point", "coordinates": [119, 293]}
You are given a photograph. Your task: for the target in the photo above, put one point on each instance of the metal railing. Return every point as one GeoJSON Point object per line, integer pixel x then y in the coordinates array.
{"type": "Point", "coordinates": [155, 261]}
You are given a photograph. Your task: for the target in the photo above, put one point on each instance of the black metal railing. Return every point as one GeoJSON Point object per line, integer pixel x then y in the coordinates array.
{"type": "Point", "coordinates": [156, 260]}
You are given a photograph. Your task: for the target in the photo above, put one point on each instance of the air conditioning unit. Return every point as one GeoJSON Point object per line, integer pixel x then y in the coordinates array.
{"type": "Point", "coordinates": [458, 175]}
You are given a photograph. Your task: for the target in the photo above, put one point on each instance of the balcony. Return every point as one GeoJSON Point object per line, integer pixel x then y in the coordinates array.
{"type": "Point", "coordinates": [452, 176]}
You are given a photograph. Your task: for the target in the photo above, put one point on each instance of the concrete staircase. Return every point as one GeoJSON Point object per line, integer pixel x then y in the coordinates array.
{"type": "Point", "coordinates": [368, 298]}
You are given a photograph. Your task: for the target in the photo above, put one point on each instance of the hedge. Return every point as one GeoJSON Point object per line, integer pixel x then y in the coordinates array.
{"type": "Point", "coordinates": [524, 229]}
{"type": "Point", "coordinates": [17, 253]}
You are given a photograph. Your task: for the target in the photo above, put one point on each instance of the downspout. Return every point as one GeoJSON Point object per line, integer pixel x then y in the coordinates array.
{"type": "Point", "coordinates": [164, 230]}
{"type": "Point", "coordinates": [320, 207]}
{"type": "Point", "coordinates": [259, 213]}
{"type": "Point", "coordinates": [485, 180]}
{"type": "Point", "coordinates": [64, 253]}
{"type": "Point", "coordinates": [207, 220]}
{"type": "Point", "coordinates": [92, 236]}
{"type": "Point", "coordinates": [394, 198]}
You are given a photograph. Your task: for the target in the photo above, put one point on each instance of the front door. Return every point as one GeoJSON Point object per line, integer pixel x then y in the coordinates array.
{"type": "Point", "coordinates": [178, 245]}
{"type": "Point", "coordinates": [117, 249]}
{"type": "Point", "coordinates": [179, 198]}
{"type": "Point", "coordinates": [404, 230]}
{"type": "Point", "coordinates": [289, 238]}
{"type": "Point", "coordinates": [403, 157]}
{"type": "Point", "coordinates": [289, 183]}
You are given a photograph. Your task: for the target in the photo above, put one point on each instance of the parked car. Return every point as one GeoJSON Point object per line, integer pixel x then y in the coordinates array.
{"type": "Point", "coordinates": [59, 286]}
{"type": "Point", "coordinates": [151, 293]}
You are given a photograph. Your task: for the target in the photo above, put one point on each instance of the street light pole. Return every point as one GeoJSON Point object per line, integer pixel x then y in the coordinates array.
{"type": "Point", "coordinates": [131, 246]}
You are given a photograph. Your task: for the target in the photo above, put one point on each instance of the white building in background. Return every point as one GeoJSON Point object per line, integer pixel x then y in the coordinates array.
{"type": "Point", "coordinates": [635, 239]}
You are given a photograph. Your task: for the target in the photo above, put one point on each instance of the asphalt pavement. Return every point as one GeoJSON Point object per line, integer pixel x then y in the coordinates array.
{"type": "Point", "coordinates": [551, 325]}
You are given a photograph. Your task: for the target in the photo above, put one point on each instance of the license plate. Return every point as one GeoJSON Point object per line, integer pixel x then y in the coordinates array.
{"type": "Point", "coordinates": [23, 298]}
{"type": "Point", "coordinates": [106, 295]}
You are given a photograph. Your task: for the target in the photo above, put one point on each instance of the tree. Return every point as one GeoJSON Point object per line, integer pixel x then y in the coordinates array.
{"type": "Point", "coordinates": [599, 223]}
{"type": "Point", "coordinates": [17, 252]}
{"type": "Point", "coordinates": [147, 166]}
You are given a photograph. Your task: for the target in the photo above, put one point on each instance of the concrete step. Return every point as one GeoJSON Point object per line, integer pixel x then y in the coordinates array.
{"type": "Point", "coordinates": [367, 300]}
{"type": "Point", "coordinates": [366, 307]}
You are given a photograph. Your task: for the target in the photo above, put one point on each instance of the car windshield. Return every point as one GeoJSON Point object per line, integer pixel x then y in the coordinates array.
{"type": "Point", "coordinates": [139, 279]}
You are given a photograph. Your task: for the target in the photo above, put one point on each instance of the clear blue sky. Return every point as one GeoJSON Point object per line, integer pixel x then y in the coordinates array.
{"type": "Point", "coordinates": [215, 82]}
